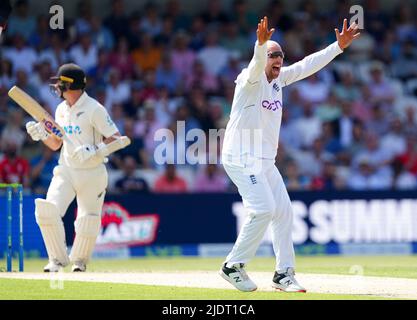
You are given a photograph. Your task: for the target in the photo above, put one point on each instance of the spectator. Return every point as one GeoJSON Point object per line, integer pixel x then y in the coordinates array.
{"type": "Point", "coordinates": [369, 177]}
{"type": "Point", "coordinates": [40, 38]}
{"type": "Point", "coordinates": [362, 49]}
{"type": "Point", "coordinates": [21, 56]}
{"type": "Point", "coordinates": [345, 102]}
{"type": "Point", "coordinates": [405, 67]}
{"type": "Point", "coordinates": [151, 22]}
{"type": "Point", "coordinates": [410, 122]}
{"type": "Point", "coordinates": [166, 76]}
{"type": "Point", "coordinates": [362, 107]}
{"type": "Point", "coordinates": [13, 132]}
{"type": "Point", "coordinates": [47, 98]}
{"type": "Point", "coordinates": [164, 38]}
{"type": "Point", "coordinates": [394, 141]}
{"type": "Point", "coordinates": [201, 78]}
{"type": "Point", "coordinates": [289, 135]}
{"type": "Point", "coordinates": [199, 109]}
{"type": "Point", "coordinates": [133, 106]}
{"type": "Point", "coordinates": [213, 56]}
{"type": "Point", "coordinates": [344, 124]}
{"type": "Point", "coordinates": [244, 18]}
{"type": "Point", "coordinates": [182, 57]}
{"type": "Point", "coordinates": [170, 182]}
{"type": "Point", "coordinates": [313, 90]}
{"type": "Point", "coordinates": [308, 126]}
{"type": "Point", "coordinates": [148, 125]}
{"type": "Point", "coordinates": [328, 179]}
{"type": "Point", "coordinates": [21, 22]}
{"type": "Point", "coordinates": [235, 42]}
{"type": "Point", "coordinates": [6, 74]}
{"type": "Point", "coordinates": [409, 157]}
{"type": "Point", "coordinates": [293, 180]}
{"type": "Point", "coordinates": [118, 116]}
{"type": "Point", "coordinates": [181, 21]}
{"type": "Point", "coordinates": [149, 89]}
{"type": "Point", "coordinates": [357, 143]}
{"type": "Point", "coordinates": [117, 91]}
{"type": "Point", "coordinates": [85, 52]}
{"type": "Point", "coordinates": [122, 60]}
{"type": "Point", "coordinates": [374, 154]}
{"type": "Point", "coordinates": [117, 21]}
{"type": "Point", "coordinates": [165, 107]}
{"type": "Point", "coordinates": [214, 14]}
{"type": "Point", "coordinates": [100, 73]}
{"type": "Point", "coordinates": [210, 179]}
{"type": "Point", "coordinates": [347, 88]}
{"type": "Point", "coordinates": [198, 31]}
{"type": "Point", "coordinates": [130, 183]}
{"type": "Point", "coordinates": [4, 109]}
{"type": "Point", "coordinates": [311, 162]}
{"type": "Point", "coordinates": [380, 88]}
{"type": "Point", "coordinates": [330, 141]}
{"type": "Point", "coordinates": [83, 21]}
{"type": "Point", "coordinates": [378, 122]}
{"type": "Point", "coordinates": [56, 52]}
{"type": "Point", "coordinates": [42, 167]}
{"type": "Point", "coordinates": [230, 72]}
{"type": "Point", "coordinates": [135, 150]}
{"type": "Point", "coordinates": [402, 179]}
{"type": "Point", "coordinates": [102, 36]}
{"type": "Point", "coordinates": [405, 22]}
{"type": "Point", "coordinates": [147, 56]}
{"type": "Point", "coordinates": [13, 168]}
{"type": "Point", "coordinates": [329, 110]}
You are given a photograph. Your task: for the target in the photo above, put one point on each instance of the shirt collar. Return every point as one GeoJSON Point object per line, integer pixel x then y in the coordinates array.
{"type": "Point", "coordinates": [79, 102]}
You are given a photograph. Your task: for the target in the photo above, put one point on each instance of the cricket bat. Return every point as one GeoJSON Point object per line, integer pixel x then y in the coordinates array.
{"type": "Point", "coordinates": [32, 107]}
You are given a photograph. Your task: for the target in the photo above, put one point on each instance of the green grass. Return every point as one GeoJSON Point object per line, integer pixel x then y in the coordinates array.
{"type": "Point", "coordinates": [385, 266]}
{"type": "Point", "coordinates": [72, 290]}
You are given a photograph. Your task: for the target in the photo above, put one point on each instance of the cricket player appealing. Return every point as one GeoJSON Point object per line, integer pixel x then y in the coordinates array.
{"type": "Point", "coordinates": [250, 163]}
{"type": "Point", "coordinates": [80, 173]}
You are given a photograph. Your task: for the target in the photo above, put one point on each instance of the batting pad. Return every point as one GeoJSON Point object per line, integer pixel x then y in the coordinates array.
{"type": "Point", "coordinates": [87, 229]}
{"type": "Point", "coordinates": [52, 229]}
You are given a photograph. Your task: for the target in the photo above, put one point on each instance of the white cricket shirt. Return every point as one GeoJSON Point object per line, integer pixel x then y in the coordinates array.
{"type": "Point", "coordinates": [86, 122]}
{"type": "Point", "coordinates": [255, 119]}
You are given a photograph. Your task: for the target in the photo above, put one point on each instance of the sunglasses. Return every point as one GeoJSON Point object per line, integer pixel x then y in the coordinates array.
{"type": "Point", "coordinates": [276, 54]}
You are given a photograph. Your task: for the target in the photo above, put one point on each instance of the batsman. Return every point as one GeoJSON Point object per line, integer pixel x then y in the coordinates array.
{"type": "Point", "coordinates": [80, 173]}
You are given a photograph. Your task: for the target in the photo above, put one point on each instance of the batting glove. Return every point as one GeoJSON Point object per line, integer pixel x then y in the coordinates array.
{"type": "Point", "coordinates": [37, 131]}
{"type": "Point", "coordinates": [84, 153]}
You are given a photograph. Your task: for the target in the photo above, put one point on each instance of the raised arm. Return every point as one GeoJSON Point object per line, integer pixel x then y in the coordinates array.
{"type": "Point", "coordinates": [258, 63]}
{"type": "Point", "coordinates": [316, 61]}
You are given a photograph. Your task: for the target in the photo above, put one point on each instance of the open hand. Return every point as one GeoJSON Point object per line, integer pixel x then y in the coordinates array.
{"type": "Point", "coordinates": [348, 35]}
{"type": "Point", "coordinates": [263, 33]}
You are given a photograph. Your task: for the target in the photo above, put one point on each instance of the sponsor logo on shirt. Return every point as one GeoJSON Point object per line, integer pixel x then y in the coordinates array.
{"type": "Point", "coordinates": [276, 87]}
{"type": "Point", "coordinates": [273, 106]}
{"type": "Point", "coordinates": [72, 130]}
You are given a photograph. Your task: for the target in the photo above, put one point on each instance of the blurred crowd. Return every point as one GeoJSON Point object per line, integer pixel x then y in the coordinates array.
{"type": "Point", "coordinates": [352, 126]}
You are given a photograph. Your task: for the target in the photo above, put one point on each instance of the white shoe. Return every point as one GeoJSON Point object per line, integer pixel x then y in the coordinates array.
{"type": "Point", "coordinates": [238, 277]}
{"type": "Point", "coordinates": [79, 267]}
{"type": "Point", "coordinates": [54, 266]}
{"type": "Point", "coordinates": [286, 282]}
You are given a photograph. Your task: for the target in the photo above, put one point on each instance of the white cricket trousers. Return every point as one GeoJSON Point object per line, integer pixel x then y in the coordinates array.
{"type": "Point", "coordinates": [267, 201]}
{"type": "Point", "coordinates": [88, 185]}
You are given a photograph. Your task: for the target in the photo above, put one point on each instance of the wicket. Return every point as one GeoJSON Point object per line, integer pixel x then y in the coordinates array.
{"type": "Point", "coordinates": [9, 191]}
